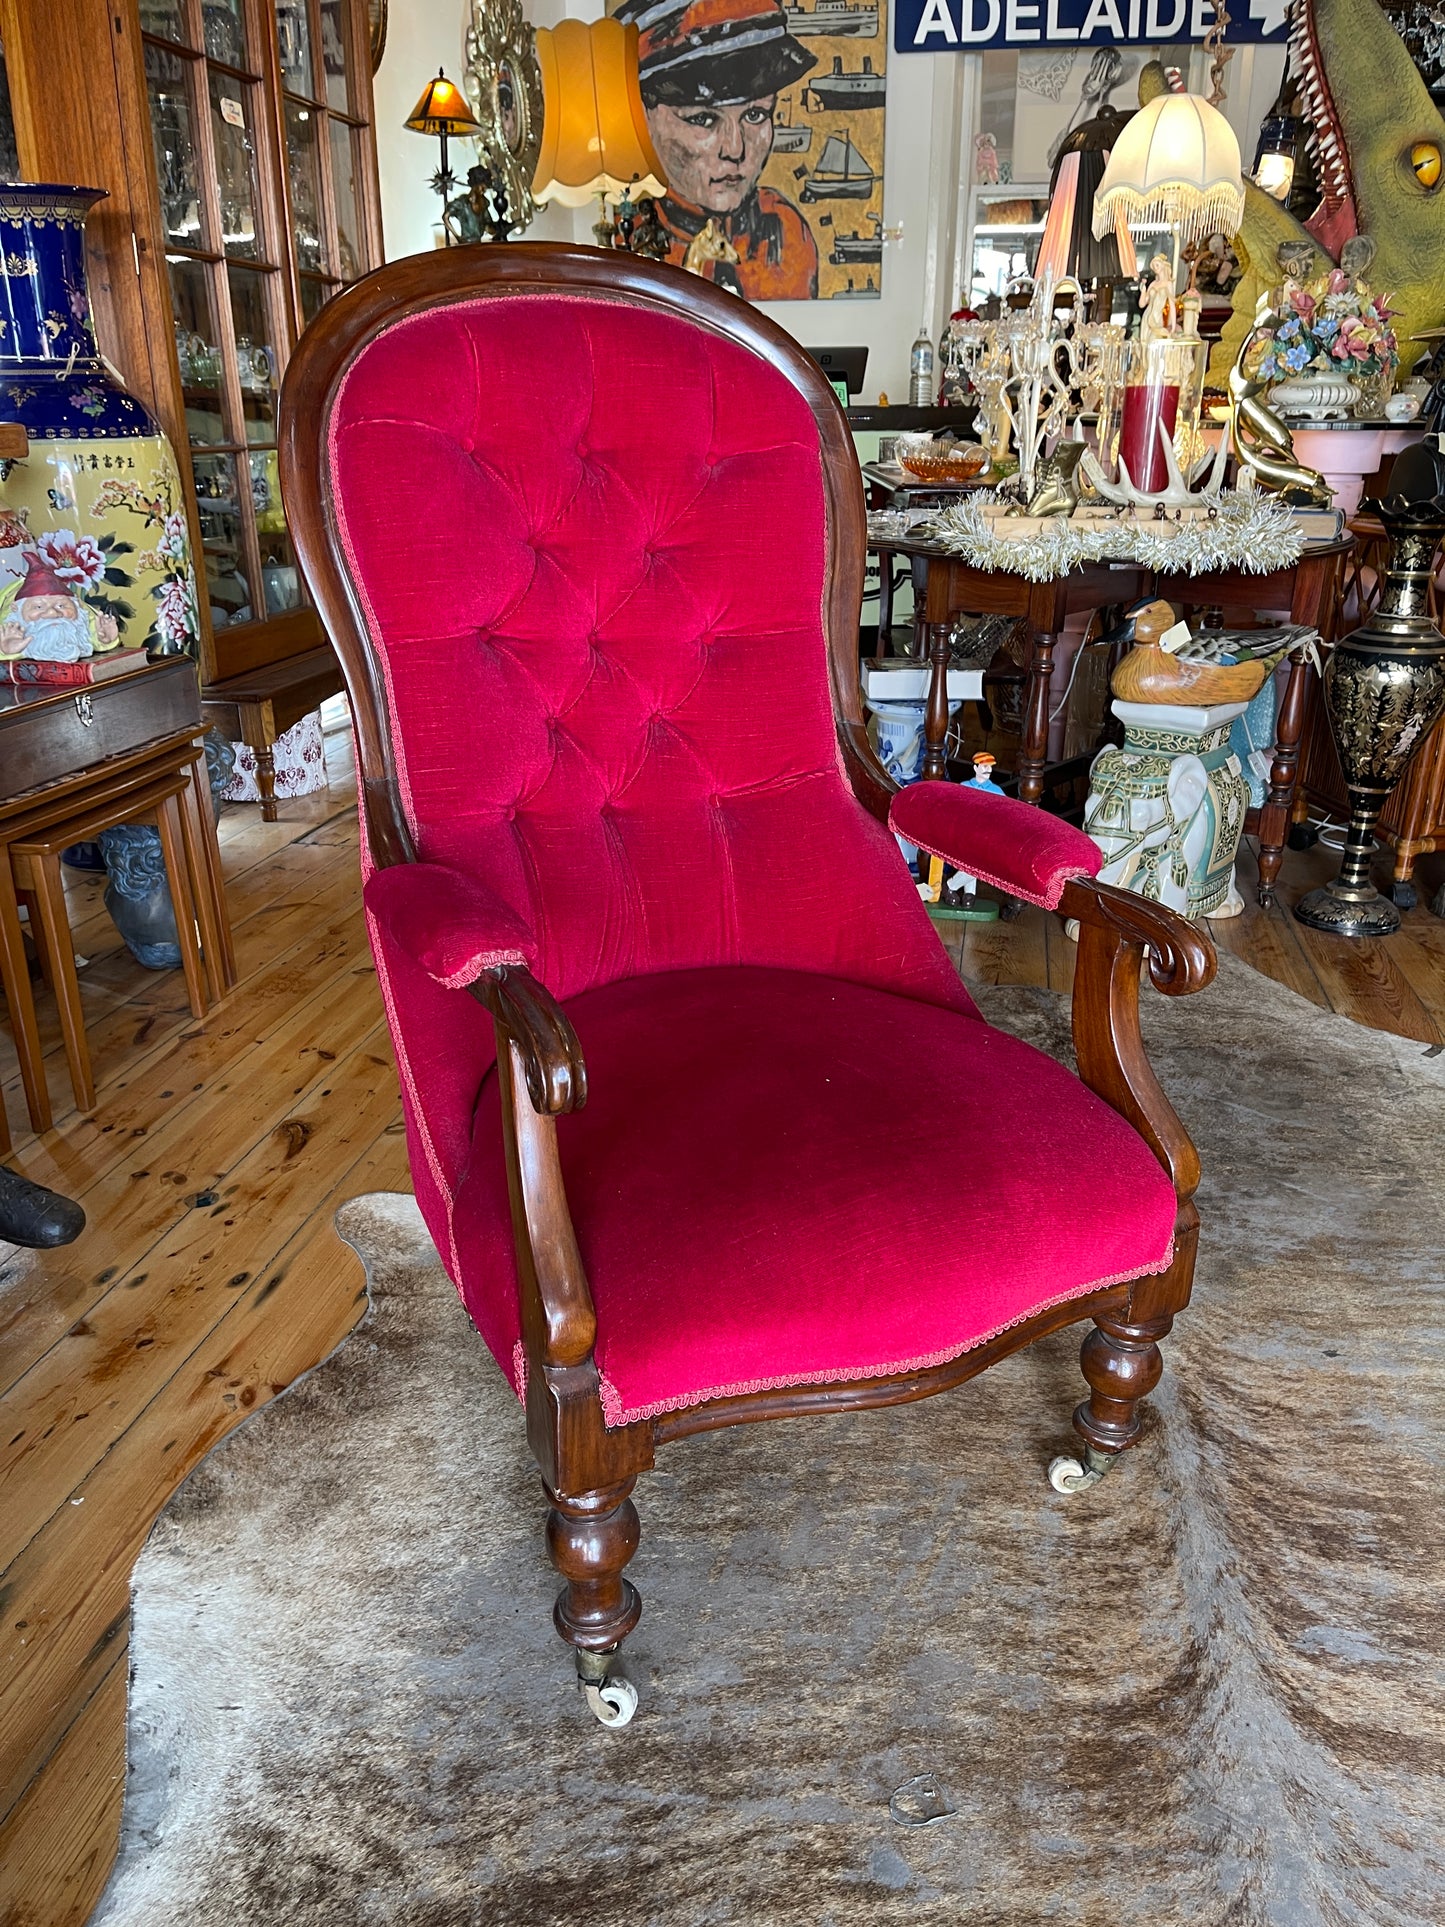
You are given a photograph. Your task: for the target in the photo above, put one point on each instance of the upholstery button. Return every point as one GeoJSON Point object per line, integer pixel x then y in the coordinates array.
{"type": "Point", "coordinates": [466, 444]}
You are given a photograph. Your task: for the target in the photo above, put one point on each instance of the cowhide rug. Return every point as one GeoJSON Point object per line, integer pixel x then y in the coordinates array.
{"type": "Point", "coordinates": [1205, 1693]}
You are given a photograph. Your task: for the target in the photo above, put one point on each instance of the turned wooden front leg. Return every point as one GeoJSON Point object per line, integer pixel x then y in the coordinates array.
{"type": "Point", "coordinates": [1122, 1363]}
{"type": "Point", "coordinates": [590, 1540]}
{"type": "Point", "coordinates": [1034, 750]}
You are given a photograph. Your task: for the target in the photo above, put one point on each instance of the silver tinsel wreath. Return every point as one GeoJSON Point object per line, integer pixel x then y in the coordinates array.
{"type": "Point", "coordinates": [1252, 531]}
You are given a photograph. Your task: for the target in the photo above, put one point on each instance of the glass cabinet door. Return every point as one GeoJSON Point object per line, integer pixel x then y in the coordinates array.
{"type": "Point", "coordinates": [318, 49]}
{"type": "Point", "coordinates": [262, 150]}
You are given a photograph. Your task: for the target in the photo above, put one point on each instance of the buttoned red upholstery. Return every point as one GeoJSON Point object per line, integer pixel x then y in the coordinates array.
{"type": "Point", "coordinates": [780, 1177]}
{"type": "Point", "coordinates": [588, 538]}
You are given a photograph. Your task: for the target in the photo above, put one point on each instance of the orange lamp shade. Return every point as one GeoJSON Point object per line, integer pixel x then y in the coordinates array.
{"type": "Point", "coordinates": [594, 126]}
{"type": "Point", "coordinates": [442, 109]}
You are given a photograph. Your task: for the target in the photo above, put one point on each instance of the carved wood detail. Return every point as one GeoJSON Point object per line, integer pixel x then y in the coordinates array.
{"type": "Point", "coordinates": [588, 1469]}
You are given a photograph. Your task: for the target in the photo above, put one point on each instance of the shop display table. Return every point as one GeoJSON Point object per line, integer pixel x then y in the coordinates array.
{"type": "Point", "coordinates": [1308, 590]}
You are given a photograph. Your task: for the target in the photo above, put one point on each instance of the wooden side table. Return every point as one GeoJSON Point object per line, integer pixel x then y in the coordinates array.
{"type": "Point", "coordinates": [1309, 588]}
{"type": "Point", "coordinates": [62, 749]}
{"type": "Point", "coordinates": [954, 587]}
{"type": "Point", "coordinates": [264, 703]}
{"type": "Point", "coordinates": [35, 861]}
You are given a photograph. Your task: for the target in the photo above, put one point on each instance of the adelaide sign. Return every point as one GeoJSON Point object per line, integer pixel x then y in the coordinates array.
{"type": "Point", "coordinates": [969, 26]}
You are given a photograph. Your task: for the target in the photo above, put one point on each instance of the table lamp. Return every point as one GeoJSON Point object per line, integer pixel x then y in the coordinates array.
{"type": "Point", "coordinates": [1175, 164]}
{"type": "Point", "coordinates": [594, 127]}
{"type": "Point", "coordinates": [443, 112]}
{"type": "Point", "coordinates": [1068, 245]}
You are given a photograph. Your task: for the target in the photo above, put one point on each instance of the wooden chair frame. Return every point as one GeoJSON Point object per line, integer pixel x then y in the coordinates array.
{"type": "Point", "coordinates": [588, 1470]}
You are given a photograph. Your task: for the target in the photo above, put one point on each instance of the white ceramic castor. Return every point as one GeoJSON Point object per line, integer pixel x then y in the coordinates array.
{"type": "Point", "coordinates": [613, 1701]}
{"type": "Point", "coordinates": [1068, 1475]}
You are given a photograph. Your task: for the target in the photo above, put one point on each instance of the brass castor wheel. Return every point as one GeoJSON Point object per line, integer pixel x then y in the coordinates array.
{"type": "Point", "coordinates": [611, 1698]}
{"type": "Point", "coordinates": [1068, 1476]}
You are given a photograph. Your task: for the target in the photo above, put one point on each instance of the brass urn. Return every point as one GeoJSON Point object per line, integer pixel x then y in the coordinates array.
{"type": "Point", "coordinates": [1384, 689]}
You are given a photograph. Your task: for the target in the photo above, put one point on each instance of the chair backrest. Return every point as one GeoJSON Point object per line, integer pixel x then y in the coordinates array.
{"type": "Point", "coordinates": [584, 531]}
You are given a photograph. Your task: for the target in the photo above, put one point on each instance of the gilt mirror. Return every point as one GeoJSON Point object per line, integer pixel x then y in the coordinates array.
{"type": "Point", "coordinates": [503, 84]}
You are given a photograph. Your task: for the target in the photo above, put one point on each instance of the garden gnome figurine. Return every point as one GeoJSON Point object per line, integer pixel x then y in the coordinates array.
{"type": "Point", "coordinates": [961, 884]}
{"type": "Point", "coordinates": [45, 621]}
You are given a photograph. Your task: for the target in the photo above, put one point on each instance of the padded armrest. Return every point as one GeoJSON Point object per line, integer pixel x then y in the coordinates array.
{"type": "Point", "coordinates": [1013, 846]}
{"type": "Point", "coordinates": [451, 924]}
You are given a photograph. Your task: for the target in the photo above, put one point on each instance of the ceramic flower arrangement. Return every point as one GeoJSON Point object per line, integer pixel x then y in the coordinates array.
{"type": "Point", "coordinates": [1334, 331]}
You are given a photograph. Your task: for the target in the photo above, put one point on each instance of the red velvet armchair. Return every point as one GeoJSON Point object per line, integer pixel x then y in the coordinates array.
{"type": "Point", "coordinates": [588, 535]}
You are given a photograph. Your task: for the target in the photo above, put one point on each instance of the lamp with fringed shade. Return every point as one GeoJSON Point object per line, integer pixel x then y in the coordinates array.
{"type": "Point", "coordinates": [1069, 246]}
{"type": "Point", "coordinates": [1175, 163]}
{"type": "Point", "coordinates": [594, 127]}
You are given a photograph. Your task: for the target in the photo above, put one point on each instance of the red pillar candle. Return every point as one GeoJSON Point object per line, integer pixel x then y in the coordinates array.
{"type": "Point", "coordinates": [1146, 405]}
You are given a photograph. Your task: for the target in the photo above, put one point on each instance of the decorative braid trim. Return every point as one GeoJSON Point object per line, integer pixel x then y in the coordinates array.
{"type": "Point", "coordinates": [615, 1412]}
{"type": "Point", "coordinates": [1053, 886]}
{"type": "Point", "coordinates": [479, 961]}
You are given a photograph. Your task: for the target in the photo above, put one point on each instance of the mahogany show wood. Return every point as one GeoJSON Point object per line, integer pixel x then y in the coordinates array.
{"type": "Point", "coordinates": [588, 1469]}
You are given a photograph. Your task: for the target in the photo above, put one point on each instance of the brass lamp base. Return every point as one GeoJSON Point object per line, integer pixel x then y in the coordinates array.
{"type": "Point", "coordinates": [1348, 910]}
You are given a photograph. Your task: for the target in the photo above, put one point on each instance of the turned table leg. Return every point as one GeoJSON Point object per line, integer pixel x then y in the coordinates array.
{"type": "Point", "coordinates": [266, 781]}
{"type": "Point", "coordinates": [1274, 815]}
{"type": "Point", "coordinates": [1033, 751]}
{"type": "Point", "coordinates": [935, 717]}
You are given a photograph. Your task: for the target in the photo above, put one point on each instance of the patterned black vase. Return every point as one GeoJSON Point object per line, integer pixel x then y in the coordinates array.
{"type": "Point", "coordinates": [1384, 689]}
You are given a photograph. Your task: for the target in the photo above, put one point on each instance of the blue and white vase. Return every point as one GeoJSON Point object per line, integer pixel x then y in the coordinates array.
{"type": "Point", "coordinates": [95, 554]}
{"type": "Point", "coordinates": [138, 893]}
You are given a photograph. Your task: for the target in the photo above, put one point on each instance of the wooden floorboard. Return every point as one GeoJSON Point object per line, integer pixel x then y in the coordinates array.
{"type": "Point", "coordinates": [210, 1275]}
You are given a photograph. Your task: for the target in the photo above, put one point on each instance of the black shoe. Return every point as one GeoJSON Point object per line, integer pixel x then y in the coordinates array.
{"type": "Point", "coordinates": [31, 1215]}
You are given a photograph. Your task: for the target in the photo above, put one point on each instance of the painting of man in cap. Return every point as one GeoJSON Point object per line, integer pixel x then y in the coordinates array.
{"type": "Point", "coordinates": [711, 72]}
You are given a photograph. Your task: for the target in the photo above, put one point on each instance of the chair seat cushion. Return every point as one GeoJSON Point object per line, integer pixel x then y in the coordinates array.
{"type": "Point", "coordinates": [782, 1178]}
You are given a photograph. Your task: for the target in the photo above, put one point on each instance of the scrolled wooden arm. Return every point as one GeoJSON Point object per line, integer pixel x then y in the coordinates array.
{"type": "Point", "coordinates": [1182, 959]}
{"type": "Point", "coordinates": [537, 1049]}
{"type": "Point", "coordinates": [527, 1013]}
{"type": "Point", "coordinates": [1115, 928]}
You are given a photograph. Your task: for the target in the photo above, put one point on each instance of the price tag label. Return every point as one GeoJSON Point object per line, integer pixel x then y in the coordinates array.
{"type": "Point", "coordinates": [232, 112]}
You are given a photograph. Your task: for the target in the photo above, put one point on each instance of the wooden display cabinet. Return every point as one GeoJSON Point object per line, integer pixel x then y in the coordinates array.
{"type": "Point", "coordinates": [234, 139]}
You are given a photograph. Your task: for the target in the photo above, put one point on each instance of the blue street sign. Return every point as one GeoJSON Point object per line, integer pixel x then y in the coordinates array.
{"type": "Point", "coordinates": [969, 26]}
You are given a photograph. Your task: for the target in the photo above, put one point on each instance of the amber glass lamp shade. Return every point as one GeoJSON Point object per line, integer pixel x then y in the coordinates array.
{"type": "Point", "coordinates": [594, 128]}
{"type": "Point", "coordinates": [442, 109]}
{"type": "Point", "coordinates": [443, 112]}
